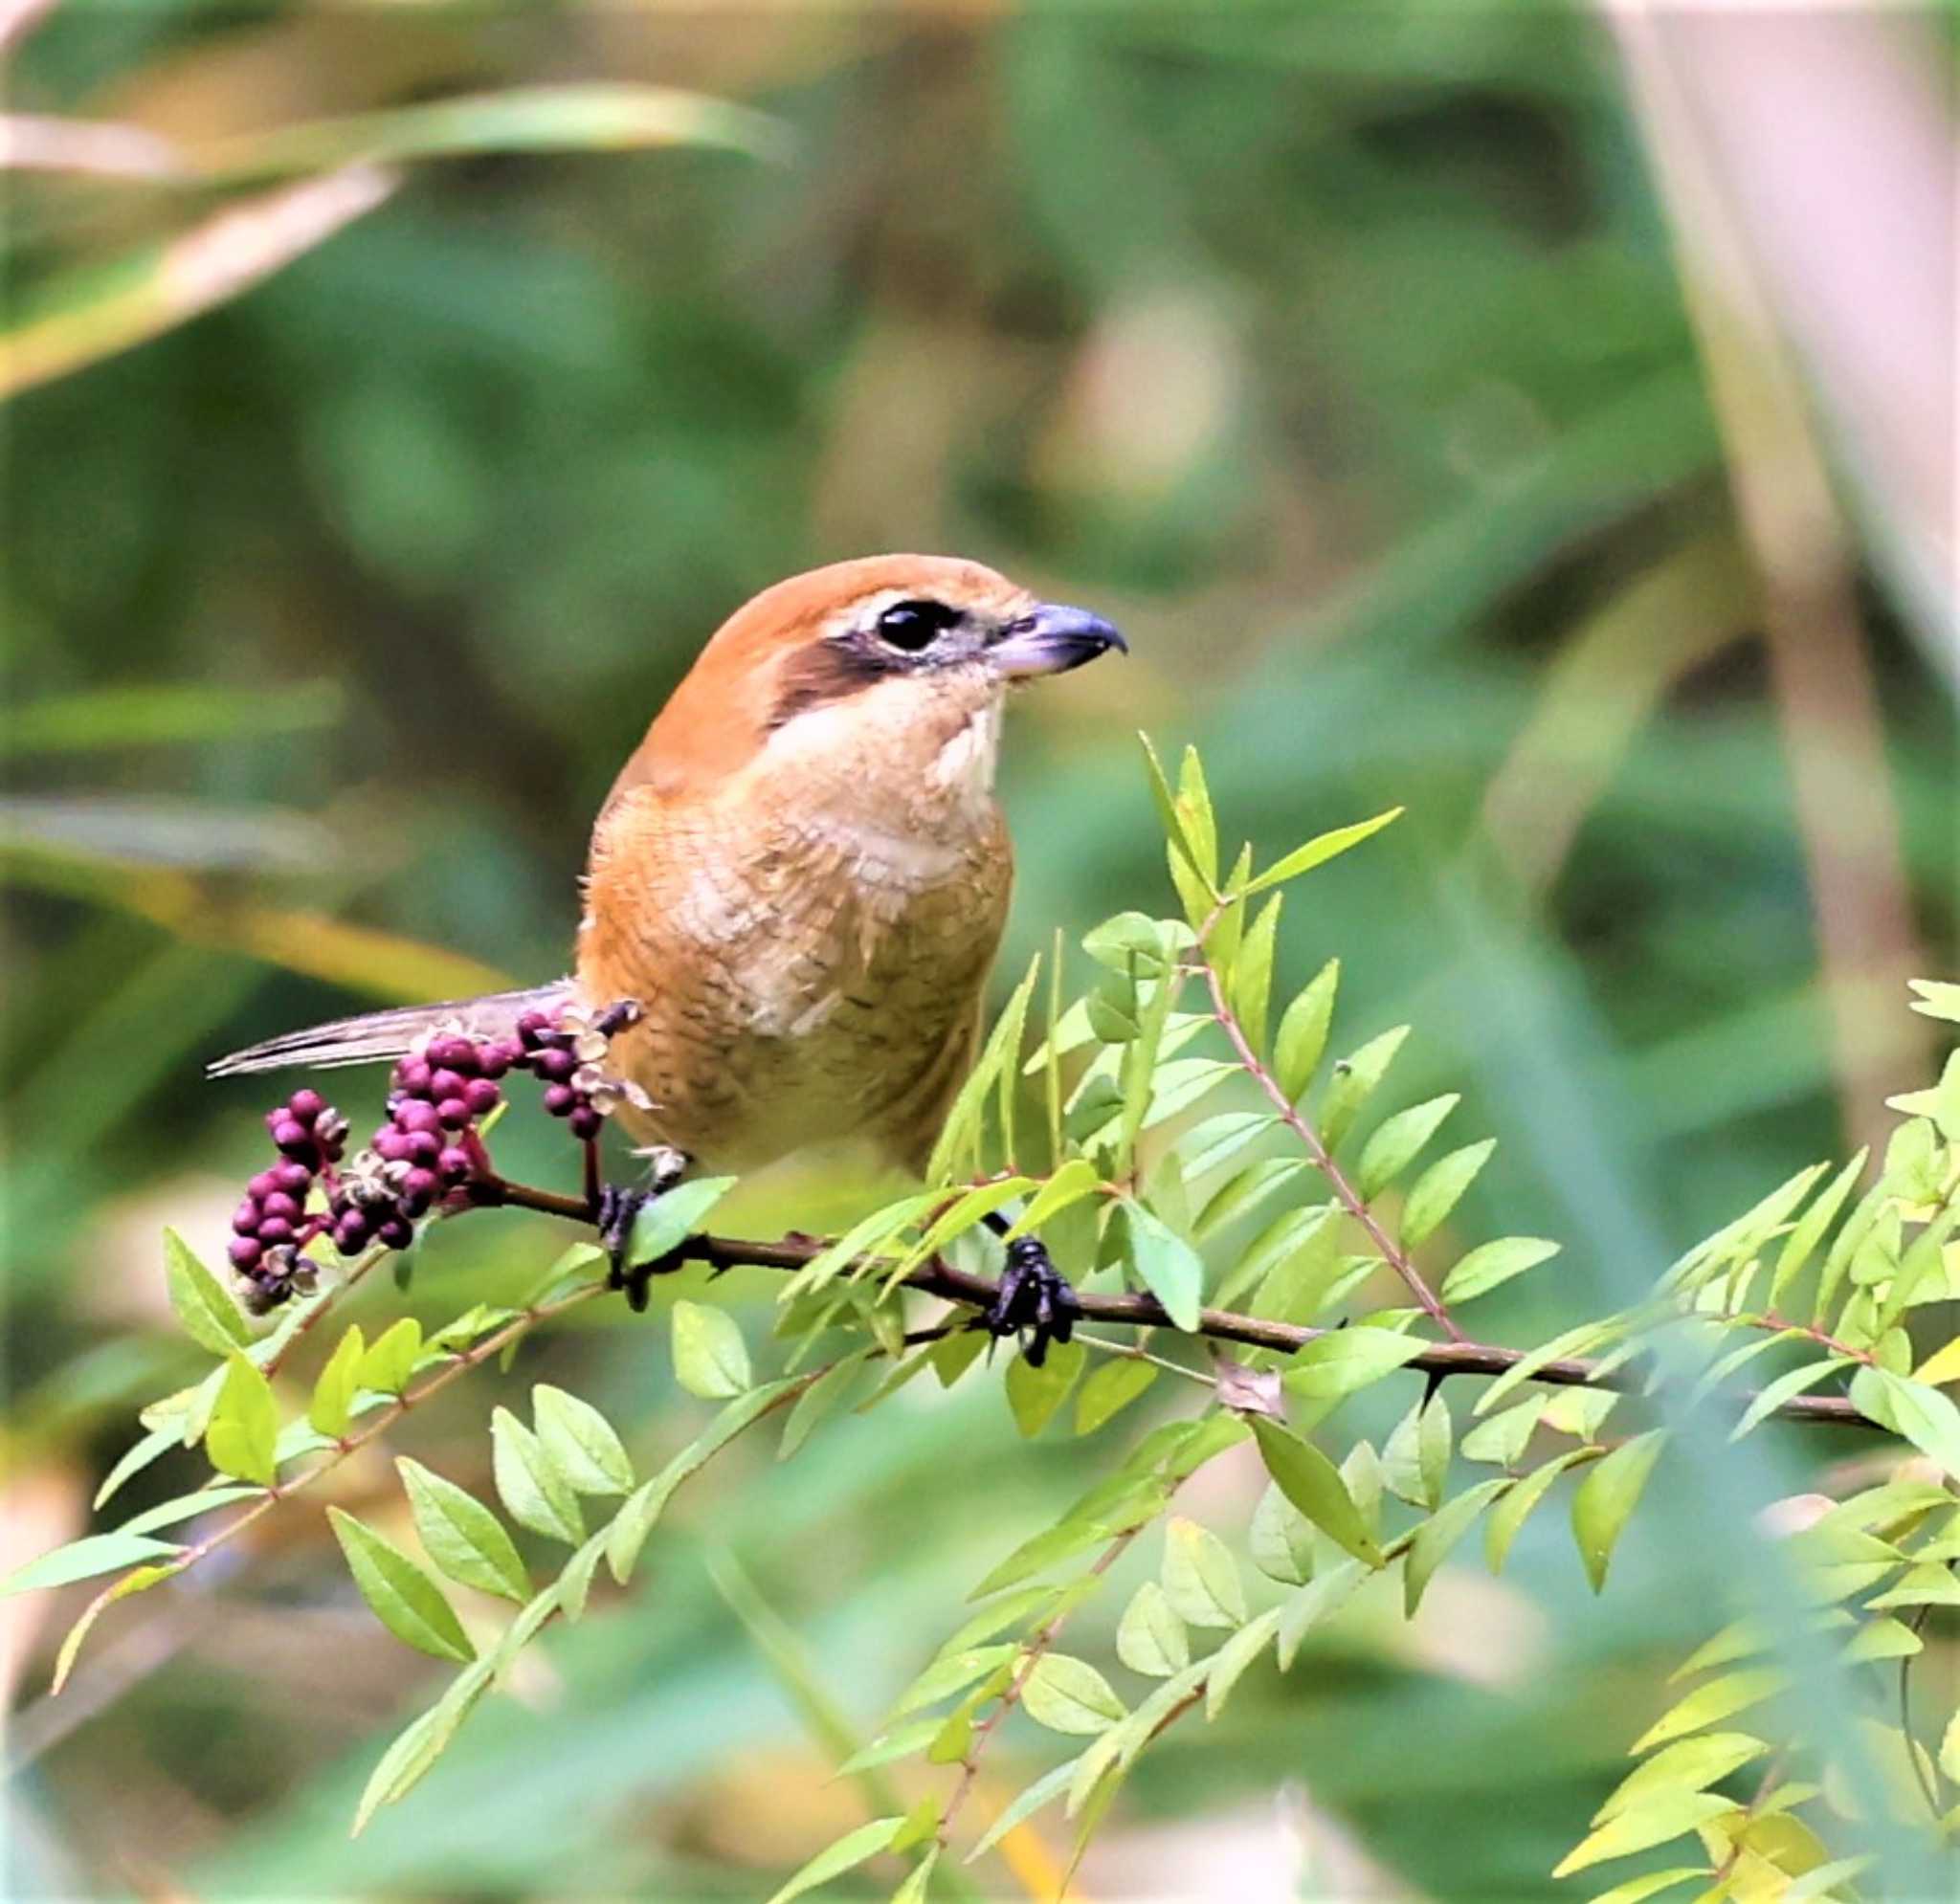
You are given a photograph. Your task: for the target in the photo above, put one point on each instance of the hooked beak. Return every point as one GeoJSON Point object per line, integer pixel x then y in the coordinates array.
{"type": "Point", "coordinates": [1052, 640]}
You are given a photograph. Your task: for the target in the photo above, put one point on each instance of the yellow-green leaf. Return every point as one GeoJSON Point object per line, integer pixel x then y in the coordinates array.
{"type": "Point", "coordinates": [529, 1484]}
{"type": "Point", "coordinates": [580, 1442]}
{"type": "Point", "coordinates": [1313, 1484]}
{"type": "Point", "coordinates": [211, 1318]}
{"type": "Point", "coordinates": [1608, 1495]}
{"type": "Point", "coordinates": [1200, 1577]}
{"type": "Point", "coordinates": [710, 1358]}
{"type": "Point", "coordinates": [1321, 848]}
{"type": "Point", "coordinates": [1068, 1694]}
{"type": "Point", "coordinates": [461, 1536]}
{"type": "Point", "coordinates": [404, 1599]}
{"type": "Point", "coordinates": [333, 1394]}
{"type": "Point", "coordinates": [242, 1435]}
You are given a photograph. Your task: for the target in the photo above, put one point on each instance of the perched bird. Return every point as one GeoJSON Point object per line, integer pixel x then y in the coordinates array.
{"type": "Point", "coordinates": [799, 881]}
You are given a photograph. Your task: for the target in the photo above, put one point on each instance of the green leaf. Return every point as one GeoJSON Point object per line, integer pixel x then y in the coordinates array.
{"type": "Point", "coordinates": [1045, 1790]}
{"type": "Point", "coordinates": [1608, 1495]}
{"type": "Point", "coordinates": [1511, 1512]}
{"type": "Point", "coordinates": [1491, 1264]}
{"type": "Point", "coordinates": [332, 1406]}
{"type": "Point", "coordinates": [1150, 1638]}
{"type": "Point", "coordinates": [1109, 1390]}
{"type": "Point", "coordinates": [211, 1318]}
{"type": "Point", "coordinates": [185, 1507]}
{"type": "Point", "coordinates": [1200, 1577]}
{"type": "Point", "coordinates": [1688, 1764]}
{"type": "Point", "coordinates": [1786, 1387]}
{"type": "Point", "coordinates": [1321, 848]}
{"type": "Point", "coordinates": [664, 1224]}
{"type": "Point", "coordinates": [1303, 1031]}
{"type": "Point", "coordinates": [1075, 1180]}
{"type": "Point", "coordinates": [1925, 1416]}
{"type": "Point", "coordinates": [404, 1599]}
{"type": "Point", "coordinates": [850, 1850]}
{"type": "Point", "coordinates": [529, 1483]}
{"type": "Point", "coordinates": [950, 1673]}
{"type": "Point", "coordinates": [643, 1509]}
{"type": "Point", "coordinates": [1195, 809]}
{"type": "Point", "coordinates": [1068, 1694]}
{"type": "Point", "coordinates": [1328, 1593]}
{"type": "Point", "coordinates": [244, 1428]}
{"type": "Point", "coordinates": [1433, 1539]}
{"type": "Point", "coordinates": [139, 1580]}
{"type": "Point", "coordinates": [135, 1458]}
{"type": "Point", "coordinates": [1394, 1146]}
{"type": "Point", "coordinates": [1344, 1359]}
{"type": "Point", "coordinates": [1354, 1081]}
{"type": "Point", "coordinates": [1187, 852]}
{"type": "Point", "coordinates": [1040, 1552]}
{"type": "Point", "coordinates": [1669, 1815]}
{"type": "Point", "coordinates": [1035, 1394]}
{"type": "Point", "coordinates": [1251, 979]}
{"type": "Point", "coordinates": [1801, 1243]}
{"type": "Point", "coordinates": [821, 1399]}
{"type": "Point", "coordinates": [1168, 1267]}
{"type": "Point", "coordinates": [386, 1366]}
{"type": "Point", "coordinates": [1711, 1702]}
{"type": "Point", "coordinates": [1230, 1662]}
{"type": "Point", "coordinates": [83, 1560]}
{"type": "Point", "coordinates": [580, 1442]}
{"type": "Point", "coordinates": [710, 1358]}
{"type": "Point", "coordinates": [1313, 1484]}
{"type": "Point", "coordinates": [1637, 1890]}
{"type": "Point", "coordinates": [964, 1122]}
{"type": "Point", "coordinates": [1281, 1538]}
{"type": "Point", "coordinates": [1439, 1188]}
{"type": "Point", "coordinates": [466, 1541]}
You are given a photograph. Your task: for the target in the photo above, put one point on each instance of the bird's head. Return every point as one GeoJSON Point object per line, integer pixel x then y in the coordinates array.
{"type": "Point", "coordinates": [882, 664]}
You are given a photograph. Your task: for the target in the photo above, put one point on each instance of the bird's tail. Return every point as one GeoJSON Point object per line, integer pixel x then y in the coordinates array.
{"type": "Point", "coordinates": [375, 1035]}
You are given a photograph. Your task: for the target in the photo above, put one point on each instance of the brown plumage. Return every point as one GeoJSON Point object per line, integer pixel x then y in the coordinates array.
{"type": "Point", "coordinates": [801, 874]}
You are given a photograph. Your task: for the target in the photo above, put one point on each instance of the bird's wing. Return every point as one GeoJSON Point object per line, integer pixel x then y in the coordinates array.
{"type": "Point", "coordinates": [374, 1035]}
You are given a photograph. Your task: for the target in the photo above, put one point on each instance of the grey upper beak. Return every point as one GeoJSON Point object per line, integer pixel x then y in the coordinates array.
{"type": "Point", "coordinates": [1052, 640]}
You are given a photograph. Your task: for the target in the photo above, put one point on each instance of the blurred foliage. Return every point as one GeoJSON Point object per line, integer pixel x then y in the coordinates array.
{"type": "Point", "coordinates": [1338, 355]}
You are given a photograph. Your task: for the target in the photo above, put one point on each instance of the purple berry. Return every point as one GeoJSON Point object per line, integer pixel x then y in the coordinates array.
{"type": "Point", "coordinates": [303, 1106]}
{"type": "Point", "coordinates": [265, 1183]}
{"type": "Point", "coordinates": [418, 1117]}
{"type": "Point", "coordinates": [560, 1100]}
{"type": "Point", "coordinates": [412, 1076]}
{"type": "Point", "coordinates": [245, 1251]}
{"type": "Point", "coordinates": [586, 1123]}
{"type": "Point", "coordinates": [445, 1083]}
{"type": "Point", "coordinates": [454, 1113]}
{"type": "Point", "coordinates": [391, 1143]}
{"type": "Point", "coordinates": [274, 1230]}
{"type": "Point", "coordinates": [481, 1096]}
{"type": "Point", "coordinates": [457, 1054]}
{"type": "Point", "coordinates": [556, 1065]}
{"type": "Point", "coordinates": [396, 1233]}
{"type": "Point", "coordinates": [424, 1146]}
{"type": "Point", "coordinates": [245, 1218]}
{"type": "Point", "coordinates": [494, 1060]}
{"type": "Point", "coordinates": [286, 1209]}
{"type": "Point", "coordinates": [351, 1232]}
{"type": "Point", "coordinates": [530, 1027]}
{"type": "Point", "coordinates": [454, 1164]}
{"type": "Point", "coordinates": [294, 1178]}
{"type": "Point", "coordinates": [293, 1139]}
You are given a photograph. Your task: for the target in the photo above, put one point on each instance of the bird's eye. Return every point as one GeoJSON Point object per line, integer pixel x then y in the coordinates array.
{"type": "Point", "coordinates": [913, 627]}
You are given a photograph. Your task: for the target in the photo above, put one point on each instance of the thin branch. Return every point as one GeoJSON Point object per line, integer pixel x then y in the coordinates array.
{"type": "Point", "coordinates": [1138, 1310]}
{"type": "Point", "coordinates": [1037, 1648]}
{"type": "Point", "coordinates": [1351, 1200]}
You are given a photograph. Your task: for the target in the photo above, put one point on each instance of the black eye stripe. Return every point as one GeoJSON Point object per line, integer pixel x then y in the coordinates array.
{"type": "Point", "coordinates": [912, 627]}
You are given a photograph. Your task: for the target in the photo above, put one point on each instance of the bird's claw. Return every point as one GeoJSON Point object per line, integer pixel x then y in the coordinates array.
{"type": "Point", "coordinates": [1033, 1295]}
{"type": "Point", "coordinates": [618, 1211]}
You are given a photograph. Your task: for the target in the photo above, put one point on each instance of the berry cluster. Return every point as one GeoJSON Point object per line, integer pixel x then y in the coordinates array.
{"type": "Point", "coordinates": [426, 1154]}
{"type": "Point", "coordinates": [428, 1147]}
{"type": "Point", "coordinates": [272, 1224]}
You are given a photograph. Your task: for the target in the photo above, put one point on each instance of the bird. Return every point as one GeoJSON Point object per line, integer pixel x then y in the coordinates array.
{"type": "Point", "coordinates": [795, 889]}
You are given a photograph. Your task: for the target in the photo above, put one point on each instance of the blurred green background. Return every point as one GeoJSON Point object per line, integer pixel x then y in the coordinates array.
{"type": "Point", "coordinates": [1343, 357]}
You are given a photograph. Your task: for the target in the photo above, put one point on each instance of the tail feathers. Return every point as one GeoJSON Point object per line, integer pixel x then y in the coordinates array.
{"type": "Point", "coordinates": [376, 1035]}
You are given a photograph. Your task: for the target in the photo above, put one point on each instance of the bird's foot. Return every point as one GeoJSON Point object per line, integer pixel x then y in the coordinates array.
{"type": "Point", "coordinates": [618, 1213]}
{"type": "Point", "coordinates": [1034, 1296]}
